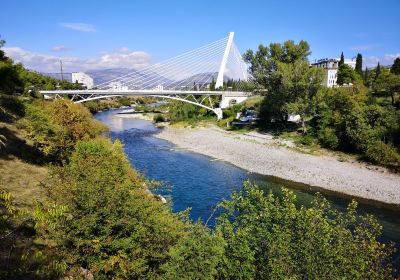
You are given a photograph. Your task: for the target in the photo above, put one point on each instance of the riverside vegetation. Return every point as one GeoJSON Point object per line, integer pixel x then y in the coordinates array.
{"type": "Point", "coordinates": [95, 217]}
{"type": "Point", "coordinates": [362, 117]}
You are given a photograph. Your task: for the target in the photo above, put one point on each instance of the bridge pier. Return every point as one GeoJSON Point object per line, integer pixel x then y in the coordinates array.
{"type": "Point", "coordinates": [218, 112]}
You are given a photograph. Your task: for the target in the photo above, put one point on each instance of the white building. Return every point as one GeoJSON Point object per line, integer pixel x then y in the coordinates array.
{"type": "Point", "coordinates": [331, 66]}
{"type": "Point", "coordinates": [82, 78]}
{"type": "Point", "coordinates": [117, 86]}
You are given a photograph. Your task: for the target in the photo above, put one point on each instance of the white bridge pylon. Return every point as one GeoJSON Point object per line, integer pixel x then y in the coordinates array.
{"type": "Point", "coordinates": [192, 77]}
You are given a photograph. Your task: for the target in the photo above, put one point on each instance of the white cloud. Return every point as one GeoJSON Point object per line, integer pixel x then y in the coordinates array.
{"type": "Point", "coordinates": [364, 47]}
{"type": "Point", "coordinates": [60, 48]}
{"type": "Point", "coordinates": [123, 50]}
{"type": "Point", "coordinates": [49, 63]}
{"type": "Point", "coordinates": [387, 59]}
{"type": "Point", "coordinates": [79, 26]}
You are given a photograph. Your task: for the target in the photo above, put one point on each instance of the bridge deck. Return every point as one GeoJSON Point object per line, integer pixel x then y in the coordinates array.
{"type": "Point", "coordinates": [143, 92]}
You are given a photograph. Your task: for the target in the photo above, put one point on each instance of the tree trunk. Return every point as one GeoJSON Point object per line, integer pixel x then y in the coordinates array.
{"type": "Point", "coordinates": [303, 124]}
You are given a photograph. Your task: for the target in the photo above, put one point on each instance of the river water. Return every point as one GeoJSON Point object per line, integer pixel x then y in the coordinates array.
{"type": "Point", "coordinates": [200, 182]}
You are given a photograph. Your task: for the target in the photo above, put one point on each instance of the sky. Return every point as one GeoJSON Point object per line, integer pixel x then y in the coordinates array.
{"type": "Point", "coordinates": [89, 35]}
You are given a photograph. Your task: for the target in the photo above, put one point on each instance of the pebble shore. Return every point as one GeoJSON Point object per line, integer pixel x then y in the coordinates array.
{"type": "Point", "coordinates": [260, 153]}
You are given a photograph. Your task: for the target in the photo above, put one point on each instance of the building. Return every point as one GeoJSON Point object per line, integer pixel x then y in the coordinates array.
{"type": "Point", "coordinates": [331, 66]}
{"type": "Point", "coordinates": [82, 78]}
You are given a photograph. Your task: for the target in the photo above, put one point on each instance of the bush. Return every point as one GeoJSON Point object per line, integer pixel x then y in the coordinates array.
{"type": "Point", "coordinates": [328, 138]}
{"type": "Point", "coordinates": [105, 220]}
{"type": "Point", "coordinates": [306, 140]}
{"type": "Point", "coordinates": [55, 127]}
{"type": "Point", "coordinates": [382, 153]}
{"type": "Point", "coordinates": [158, 118]}
{"type": "Point", "coordinates": [268, 237]}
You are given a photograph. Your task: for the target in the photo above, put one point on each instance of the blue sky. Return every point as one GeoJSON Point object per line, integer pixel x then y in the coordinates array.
{"type": "Point", "coordinates": [104, 34]}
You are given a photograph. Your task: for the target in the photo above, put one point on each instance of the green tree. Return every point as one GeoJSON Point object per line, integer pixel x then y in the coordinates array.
{"type": "Point", "coordinates": [263, 68]}
{"type": "Point", "coordinates": [105, 220]}
{"type": "Point", "coordinates": [377, 71]}
{"type": "Point", "coordinates": [341, 61]}
{"type": "Point", "coordinates": [345, 74]}
{"type": "Point", "coordinates": [358, 68]}
{"type": "Point", "coordinates": [265, 60]}
{"type": "Point", "coordinates": [268, 237]}
{"type": "Point", "coordinates": [366, 77]}
{"type": "Point", "coordinates": [56, 127]}
{"type": "Point", "coordinates": [301, 83]}
{"type": "Point", "coordinates": [196, 255]}
{"type": "Point", "coordinates": [395, 69]}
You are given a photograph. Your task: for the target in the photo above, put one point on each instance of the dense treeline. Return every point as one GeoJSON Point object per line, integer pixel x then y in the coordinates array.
{"type": "Point", "coordinates": [363, 116]}
{"type": "Point", "coordinates": [98, 220]}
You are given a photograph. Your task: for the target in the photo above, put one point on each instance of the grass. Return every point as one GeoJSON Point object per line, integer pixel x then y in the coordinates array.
{"type": "Point", "coordinates": [20, 171]}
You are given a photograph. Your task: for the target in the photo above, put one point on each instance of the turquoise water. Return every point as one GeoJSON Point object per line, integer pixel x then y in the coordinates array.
{"type": "Point", "coordinates": [200, 182]}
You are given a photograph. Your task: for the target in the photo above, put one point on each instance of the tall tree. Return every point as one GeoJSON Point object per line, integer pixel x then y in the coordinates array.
{"type": "Point", "coordinates": [3, 57]}
{"type": "Point", "coordinates": [359, 64]}
{"type": "Point", "coordinates": [395, 69]}
{"type": "Point", "coordinates": [377, 71]}
{"type": "Point", "coordinates": [341, 59]}
{"type": "Point", "coordinates": [300, 84]}
{"type": "Point", "coordinates": [366, 77]}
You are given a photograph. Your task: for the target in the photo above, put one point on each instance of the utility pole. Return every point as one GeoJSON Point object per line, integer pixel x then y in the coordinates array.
{"type": "Point", "coordinates": [62, 76]}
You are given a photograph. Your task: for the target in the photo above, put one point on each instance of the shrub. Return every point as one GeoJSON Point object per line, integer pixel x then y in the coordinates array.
{"type": "Point", "coordinates": [105, 220]}
{"type": "Point", "coordinates": [56, 127]}
{"type": "Point", "coordinates": [328, 138]}
{"type": "Point", "coordinates": [382, 153]}
{"type": "Point", "coordinates": [268, 237]}
{"type": "Point", "coordinates": [306, 140]}
{"type": "Point", "coordinates": [158, 118]}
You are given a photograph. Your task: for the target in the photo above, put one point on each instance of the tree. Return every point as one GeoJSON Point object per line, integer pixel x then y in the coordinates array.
{"type": "Point", "coordinates": [395, 69]}
{"type": "Point", "coordinates": [377, 71]}
{"type": "Point", "coordinates": [3, 57]}
{"type": "Point", "coordinates": [56, 127]}
{"type": "Point", "coordinates": [265, 60]}
{"type": "Point", "coordinates": [100, 216]}
{"type": "Point", "coordinates": [341, 61]}
{"type": "Point", "coordinates": [196, 255]}
{"type": "Point", "coordinates": [345, 75]}
{"type": "Point", "coordinates": [366, 77]}
{"type": "Point", "coordinates": [358, 67]}
{"type": "Point", "coordinates": [268, 237]}
{"type": "Point", "coordinates": [263, 68]}
{"type": "Point", "coordinates": [300, 84]}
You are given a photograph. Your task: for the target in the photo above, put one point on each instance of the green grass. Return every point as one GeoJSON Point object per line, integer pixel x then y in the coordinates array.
{"type": "Point", "coordinates": [19, 173]}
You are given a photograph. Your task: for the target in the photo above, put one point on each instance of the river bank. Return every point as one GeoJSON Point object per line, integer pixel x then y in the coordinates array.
{"type": "Point", "coordinates": [262, 154]}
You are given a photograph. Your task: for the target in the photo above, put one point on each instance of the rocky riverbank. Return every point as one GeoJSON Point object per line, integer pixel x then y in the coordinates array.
{"type": "Point", "coordinates": [262, 154]}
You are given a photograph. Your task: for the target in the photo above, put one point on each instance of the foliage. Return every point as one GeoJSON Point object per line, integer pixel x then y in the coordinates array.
{"type": "Point", "coordinates": [159, 118]}
{"type": "Point", "coordinates": [182, 111]}
{"type": "Point", "coordinates": [346, 119]}
{"type": "Point", "coordinates": [124, 101]}
{"type": "Point", "coordinates": [265, 60]}
{"type": "Point", "coordinates": [196, 255]}
{"type": "Point", "coordinates": [341, 61]}
{"type": "Point", "coordinates": [106, 221]}
{"type": "Point", "coordinates": [345, 75]}
{"type": "Point", "coordinates": [395, 69]}
{"type": "Point", "coordinates": [269, 238]}
{"type": "Point", "coordinates": [57, 126]}
{"type": "Point", "coordinates": [298, 87]}
{"type": "Point", "coordinates": [358, 67]}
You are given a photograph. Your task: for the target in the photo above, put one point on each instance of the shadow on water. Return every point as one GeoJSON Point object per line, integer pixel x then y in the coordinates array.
{"type": "Point", "coordinates": [200, 182]}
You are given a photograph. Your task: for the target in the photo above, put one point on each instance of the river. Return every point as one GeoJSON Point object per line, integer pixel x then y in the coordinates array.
{"type": "Point", "coordinates": [200, 182]}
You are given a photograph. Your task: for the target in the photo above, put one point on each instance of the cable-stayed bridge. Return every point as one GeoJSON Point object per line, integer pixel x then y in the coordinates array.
{"type": "Point", "coordinates": [193, 77]}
